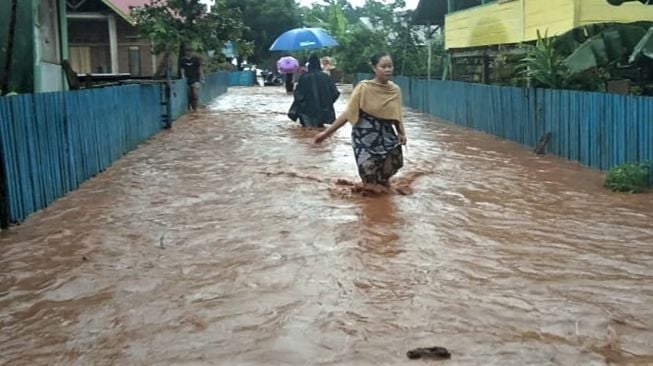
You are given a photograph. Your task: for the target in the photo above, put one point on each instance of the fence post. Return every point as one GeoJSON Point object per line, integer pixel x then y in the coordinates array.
{"type": "Point", "coordinates": [168, 97]}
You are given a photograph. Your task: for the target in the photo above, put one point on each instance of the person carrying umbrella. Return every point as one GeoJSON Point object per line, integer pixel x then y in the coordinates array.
{"type": "Point", "coordinates": [286, 66]}
{"type": "Point", "coordinates": [288, 81]}
{"type": "Point", "coordinates": [314, 97]}
{"type": "Point", "coordinates": [302, 39]}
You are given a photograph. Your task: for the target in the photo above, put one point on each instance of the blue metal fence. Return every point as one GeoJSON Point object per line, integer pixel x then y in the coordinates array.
{"type": "Point", "coordinates": [52, 142]}
{"type": "Point", "coordinates": [241, 78]}
{"type": "Point", "coordinates": [214, 85]}
{"type": "Point", "coordinates": [599, 130]}
{"type": "Point", "coordinates": [178, 98]}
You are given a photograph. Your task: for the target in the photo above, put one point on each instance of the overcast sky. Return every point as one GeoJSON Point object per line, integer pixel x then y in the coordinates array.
{"type": "Point", "coordinates": [410, 4]}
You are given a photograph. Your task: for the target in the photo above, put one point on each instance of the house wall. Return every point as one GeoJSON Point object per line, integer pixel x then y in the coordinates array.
{"type": "Point", "coordinates": [5, 35]}
{"type": "Point", "coordinates": [483, 25]}
{"type": "Point", "coordinates": [17, 66]}
{"type": "Point", "coordinates": [128, 38]}
{"type": "Point", "coordinates": [592, 11]}
{"type": "Point", "coordinates": [514, 21]}
{"type": "Point", "coordinates": [89, 43]}
{"type": "Point", "coordinates": [552, 17]}
{"type": "Point", "coordinates": [31, 45]}
{"type": "Point", "coordinates": [48, 44]}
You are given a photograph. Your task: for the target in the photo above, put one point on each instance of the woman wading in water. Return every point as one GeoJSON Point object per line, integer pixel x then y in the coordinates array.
{"type": "Point", "coordinates": [314, 97]}
{"type": "Point", "coordinates": [374, 110]}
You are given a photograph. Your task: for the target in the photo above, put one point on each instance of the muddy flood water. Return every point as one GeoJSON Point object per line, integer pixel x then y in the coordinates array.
{"type": "Point", "coordinates": [229, 240]}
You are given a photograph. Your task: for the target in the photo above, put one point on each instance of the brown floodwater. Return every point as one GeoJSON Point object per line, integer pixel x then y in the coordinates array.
{"type": "Point", "coordinates": [233, 240]}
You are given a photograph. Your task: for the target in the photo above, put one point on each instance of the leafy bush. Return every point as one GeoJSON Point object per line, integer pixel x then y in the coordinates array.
{"type": "Point", "coordinates": [546, 67]}
{"type": "Point", "coordinates": [221, 66]}
{"type": "Point", "coordinates": [629, 177]}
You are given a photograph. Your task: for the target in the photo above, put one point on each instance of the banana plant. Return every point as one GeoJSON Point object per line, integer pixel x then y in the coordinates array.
{"type": "Point", "coordinates": [334, 21]}
{"type": "Point", "coordinates": [610, 46]}
{"type": "Point", "coordinates": [644, 47]}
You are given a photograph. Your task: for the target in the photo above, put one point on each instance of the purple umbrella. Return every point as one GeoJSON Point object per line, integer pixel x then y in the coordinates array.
{"type": "Point", "coordinates": [287, 65]}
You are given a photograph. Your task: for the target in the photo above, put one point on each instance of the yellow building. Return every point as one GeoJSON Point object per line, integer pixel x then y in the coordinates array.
{"type": "Point", "coordinates": [478, 23]}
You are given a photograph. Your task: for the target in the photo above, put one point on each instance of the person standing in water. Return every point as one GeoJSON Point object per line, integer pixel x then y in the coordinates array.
{"type": "Point", "coordinates": [327, 65]}
{"type": "Point", "coordinates": [314, 97]}
{"type": "Point", "coordinates": [375, 112]}
{"type": "Point", "coordinates": [191, 69]}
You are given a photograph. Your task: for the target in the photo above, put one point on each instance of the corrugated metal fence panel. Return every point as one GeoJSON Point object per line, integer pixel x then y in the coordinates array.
{"type": "Point", "coordinates": [178, 98]}
{"type": "Point", "coordinates": [216, 84]}
{"type": "Point", "coordinates": [241, 78]}
{"type": "Point", "coordinates": [404, 84]}
{"type": "Point", "coordinates": [645, 129]}
{"type": "Point", "coordinates": [358, 77]}
{"type": "Point", "coordinates": [645, 132]}
{"type": "Point", "coordinates": [151, 96]}
{"type": "Point", "coordinates": [52, 142]}
{"type": "Point", "coordinates": [599, 130]}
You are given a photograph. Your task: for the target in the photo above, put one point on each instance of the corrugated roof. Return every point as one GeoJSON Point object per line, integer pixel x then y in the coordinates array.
{"type": "Point", "coordinates": [122, 7]}
{"type": "Point", "coordinates": [430, 12]}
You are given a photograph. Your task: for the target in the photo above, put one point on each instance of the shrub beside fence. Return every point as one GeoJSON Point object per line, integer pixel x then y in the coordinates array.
{"type": "Point", "coordinates": [599, 130]}
{"type": "Point", "coordinates": [52, 142]}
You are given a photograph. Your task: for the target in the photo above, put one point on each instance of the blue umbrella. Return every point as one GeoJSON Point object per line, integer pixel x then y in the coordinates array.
{"type": "Point", "coordinates": [302, 39]}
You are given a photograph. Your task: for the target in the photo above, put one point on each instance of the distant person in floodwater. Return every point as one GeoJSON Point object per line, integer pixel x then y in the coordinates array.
{"type": "Point", "coordinates": [327, 65]}
{"type": "Point", "coordinates": [288, 82]}
{"type": "Point", "coordinates": [191, 69]}
{"type": "Point", "coordinates": [375, 112]}
{"type": "Point", "coordinates": [314, 97]}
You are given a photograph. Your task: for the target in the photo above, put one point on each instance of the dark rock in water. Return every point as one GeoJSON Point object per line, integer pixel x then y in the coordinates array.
{"type": "Point", "coordinates": [434, 353]}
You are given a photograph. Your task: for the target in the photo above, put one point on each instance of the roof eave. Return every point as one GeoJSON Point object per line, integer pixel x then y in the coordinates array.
{"type": "Point", "coordinates": [126, 17]}
{"type": "Point", "coordinates": [430, 12]}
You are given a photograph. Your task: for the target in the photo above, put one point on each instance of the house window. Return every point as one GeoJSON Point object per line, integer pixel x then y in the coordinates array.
{"type": "Point", "coordinates": [135, 60]}
{"type": "Point", "coordinates": [80, 59]}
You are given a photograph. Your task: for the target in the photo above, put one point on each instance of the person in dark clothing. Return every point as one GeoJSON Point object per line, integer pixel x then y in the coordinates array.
{"type": "Point", "coordinates": [191, 69]}
{"type": "Point", "coordinates": [314, 97]}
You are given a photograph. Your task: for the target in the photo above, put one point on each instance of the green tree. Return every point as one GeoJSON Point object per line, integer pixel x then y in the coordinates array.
{"type": "Point", "coordinates": [381, 14]}
{"type": "Point", "coordinates": [385, 28]}
{"type": "Point", "coordinates": [356, 42]}
{"type": "Point", "coordinates": [172, 24]}
{"type": "Point", "coordinates": [354, 56]}
{"type": "Point", "coordinates": [318, 14]}
{"type": "Point", "coordinates": [391, 30]}
{"type": "Point", "coordinates": [266, 20]}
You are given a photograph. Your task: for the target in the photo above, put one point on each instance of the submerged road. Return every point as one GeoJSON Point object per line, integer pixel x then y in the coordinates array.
{"type": "Point", "coordinates": [232, 240]}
